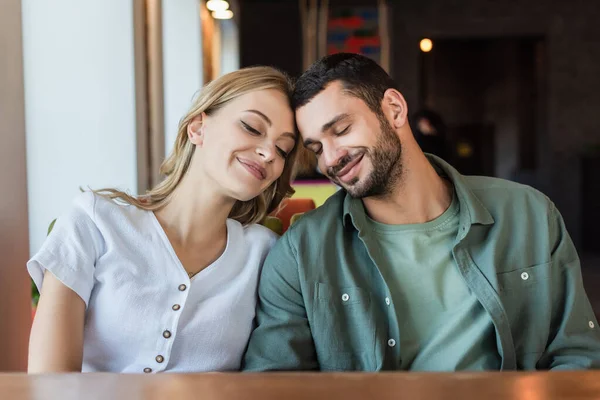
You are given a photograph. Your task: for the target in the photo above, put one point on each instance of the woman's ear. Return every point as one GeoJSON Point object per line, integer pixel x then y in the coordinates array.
{"type": "Point", "coordinates": [195, 129]}
{"type": "Point", "coordinates": [395, 108]}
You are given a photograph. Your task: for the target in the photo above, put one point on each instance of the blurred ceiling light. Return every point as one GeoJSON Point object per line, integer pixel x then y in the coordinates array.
{"type": "Point", "coordinates": [224, 14]}
{"type": "Point", "coordinates": [217, 5]}
{"type": "Point", "coordinates": [426, 45]}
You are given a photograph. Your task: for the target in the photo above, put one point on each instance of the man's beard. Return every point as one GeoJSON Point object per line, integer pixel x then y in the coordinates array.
{"type": "Point", "coordinates": [386, 161]}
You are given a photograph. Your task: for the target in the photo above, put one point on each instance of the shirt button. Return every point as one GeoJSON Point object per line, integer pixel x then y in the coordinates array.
{"type": "Point", "coordinates": [166, 334]}
{"type": "Point", "coordinates": [182, 287]}
{"type": "Point", "coordinates": [160, 359]}
{"type": "Point", "coordinates": [387, 301]}
{"type": "Point", "coordinates": [345, 297]}
{"type": "Point", "coordinates": [524, 276]}
{"type": "Point", "coordinates": [176, 307]}
{"type": "Point", "coordinates": [591, 324]}
{"type": "Point", "coordinates": [391, 342]}
{"type": "Point", "coordinates": [147, 370]}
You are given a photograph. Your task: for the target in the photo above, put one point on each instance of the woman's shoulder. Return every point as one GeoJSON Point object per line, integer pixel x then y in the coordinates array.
{"type": "Point", "coordinates": [104, 205]}
{"type": "Point", "coordinates": [255, 234]}
{"type": "Point", "coordinates": [81, 209]}
{"type": "Point", "coordinates": [84, 201]}
{"type": "Point", "coordinates": [249, 245]}
{"type": "Point", "coordinates": [91, 201]}
{"type": "Point", "coordinates": [104, 212]}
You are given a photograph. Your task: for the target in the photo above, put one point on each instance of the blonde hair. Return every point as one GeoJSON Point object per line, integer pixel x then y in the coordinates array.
{"type": "Point", "coordinates": [211, 98]}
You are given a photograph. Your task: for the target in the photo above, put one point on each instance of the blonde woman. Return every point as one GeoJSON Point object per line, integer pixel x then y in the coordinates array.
{"type": "Point", "coordinates": [167, 281]}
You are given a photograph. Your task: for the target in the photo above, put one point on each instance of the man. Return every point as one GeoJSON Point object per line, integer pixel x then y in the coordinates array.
{"type": "Point", "coordinates": [413, 266]}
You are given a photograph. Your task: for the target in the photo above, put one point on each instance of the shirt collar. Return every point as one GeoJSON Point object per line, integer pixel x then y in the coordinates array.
{"type": "Point", "coordinates": [472, 210]}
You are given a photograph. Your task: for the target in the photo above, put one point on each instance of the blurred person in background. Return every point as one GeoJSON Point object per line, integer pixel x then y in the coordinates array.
{"type": "Point", "coordinates": [430, 132]}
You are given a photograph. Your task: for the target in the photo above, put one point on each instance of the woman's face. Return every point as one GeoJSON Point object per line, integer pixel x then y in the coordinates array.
{"type": "Point", "coordinates": [243, 146]}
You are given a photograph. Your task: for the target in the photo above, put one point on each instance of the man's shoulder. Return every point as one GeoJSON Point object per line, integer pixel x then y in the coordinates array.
{"type": "Point", "coordinates": [497, 192]}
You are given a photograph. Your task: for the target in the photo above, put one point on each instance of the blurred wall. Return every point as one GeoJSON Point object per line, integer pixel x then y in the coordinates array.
{"type": "Point", "coordinates": [79, 103]}
{"type": "Point", "coordinates": [15, 290]}
{"type": "Point", "coordinates": [230, 49]}
{"type": "Point", "coordinates": [182, 61]}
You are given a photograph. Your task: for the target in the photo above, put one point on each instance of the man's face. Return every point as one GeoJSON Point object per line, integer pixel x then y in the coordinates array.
{"type": "Point", "coordinates": [355, 148]}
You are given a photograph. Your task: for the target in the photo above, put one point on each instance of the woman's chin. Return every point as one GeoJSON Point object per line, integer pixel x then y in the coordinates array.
{"type": "Point", "coordinates": [245, 193]}
{"type": "Point", "coordinates": [245, 198]}
{"type": "Point", "coordinates": [244, 189]}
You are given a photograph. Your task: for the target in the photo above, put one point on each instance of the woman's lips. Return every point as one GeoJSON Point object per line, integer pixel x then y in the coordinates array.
{"type": "Point", "coordinates": [254, 168]}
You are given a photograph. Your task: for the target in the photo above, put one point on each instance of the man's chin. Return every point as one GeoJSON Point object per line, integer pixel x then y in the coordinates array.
{"type": "Point", "coordinates": [347, 185]}
{"type": "Point", "coordinates": [354, 188]}
{"type": "Point", "coordinates": [361, 188]}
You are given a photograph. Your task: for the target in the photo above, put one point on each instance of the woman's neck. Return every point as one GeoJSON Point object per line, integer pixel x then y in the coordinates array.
{"type": "Point", "coordinates": [195, 214]}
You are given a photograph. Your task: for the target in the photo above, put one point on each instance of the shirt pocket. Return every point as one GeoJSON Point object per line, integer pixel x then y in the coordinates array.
{"type": "Point", "coordinates": [527, 298]}
{"type": "Point", "coordinates": [524, 278]}
{"type": "Point", "coordinates": [343, 328]}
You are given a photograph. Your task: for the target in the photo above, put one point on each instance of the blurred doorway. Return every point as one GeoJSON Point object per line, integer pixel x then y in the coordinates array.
{"type": "Point", "coordinates": [490, 94]}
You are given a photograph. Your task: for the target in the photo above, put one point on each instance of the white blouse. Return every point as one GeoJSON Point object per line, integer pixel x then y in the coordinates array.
{"type": "Point", "coordinates": [143, 312]}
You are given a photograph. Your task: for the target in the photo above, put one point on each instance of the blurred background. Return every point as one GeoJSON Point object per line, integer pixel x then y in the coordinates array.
{"type": "Point", "coordinates": [91, 93]}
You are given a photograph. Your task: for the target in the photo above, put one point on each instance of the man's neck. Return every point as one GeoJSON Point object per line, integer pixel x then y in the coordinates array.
{"type": "Point", "coordinates": [419, 196]}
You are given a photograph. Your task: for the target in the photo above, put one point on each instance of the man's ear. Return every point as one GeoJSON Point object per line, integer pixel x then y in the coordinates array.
{"type": "Point", "coordinates": [195, 129]}
{"type": "Point", "coordinates": [394, 107]}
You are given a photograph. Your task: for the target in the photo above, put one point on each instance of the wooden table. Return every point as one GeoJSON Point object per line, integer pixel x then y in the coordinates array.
{"type": "Point", "coordinates": [291, 386]}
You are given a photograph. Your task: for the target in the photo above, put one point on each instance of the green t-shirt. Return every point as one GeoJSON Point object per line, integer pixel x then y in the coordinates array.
{"type": "Point", "coordinates": [443, 327]}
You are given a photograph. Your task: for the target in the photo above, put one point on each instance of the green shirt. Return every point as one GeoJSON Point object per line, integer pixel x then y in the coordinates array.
{"type": "Point", "coordinates": [512, 250]}
{"type": "Point", "coordinates": [442, 325]}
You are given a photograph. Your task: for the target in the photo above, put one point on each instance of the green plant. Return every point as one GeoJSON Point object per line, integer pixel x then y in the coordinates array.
{"type": "Point", "coordinates": [35, 294]}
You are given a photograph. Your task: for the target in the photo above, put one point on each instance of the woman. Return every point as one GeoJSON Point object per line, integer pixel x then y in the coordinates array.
{"type": "Point", "coordinates": [167, 281]}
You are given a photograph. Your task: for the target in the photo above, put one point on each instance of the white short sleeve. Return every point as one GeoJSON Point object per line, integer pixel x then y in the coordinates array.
{"type": "Point", "coordinates": [72, 248]}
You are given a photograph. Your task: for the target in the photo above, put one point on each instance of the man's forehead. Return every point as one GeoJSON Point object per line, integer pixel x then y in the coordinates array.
{"type": "Point", "coordinates": [326, 105]}
{"type": "Point", "coordinates": [333, 91]}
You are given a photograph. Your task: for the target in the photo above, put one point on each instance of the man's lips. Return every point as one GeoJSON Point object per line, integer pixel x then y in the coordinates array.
{"type": "Point", "coordinates": [348, 167]}
{"type": "Point", "coordinates": [254, 168]}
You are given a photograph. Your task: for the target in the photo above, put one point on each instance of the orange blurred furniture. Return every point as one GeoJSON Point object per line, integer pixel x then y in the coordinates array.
{"type": "Point", "coordinates": [290, 207]}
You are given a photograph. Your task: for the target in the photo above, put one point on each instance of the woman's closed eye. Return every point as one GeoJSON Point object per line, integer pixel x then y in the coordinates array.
{"type": "Point", "coordinates": [282, 153]}
{"type": "Point", "coordinates": [250, 129]}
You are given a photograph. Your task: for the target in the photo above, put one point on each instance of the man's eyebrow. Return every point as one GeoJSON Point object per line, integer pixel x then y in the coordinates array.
{"type": "Point", "coordinates": [334, 121]}
{"type": "Point", "coordinates": [263, 116]}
